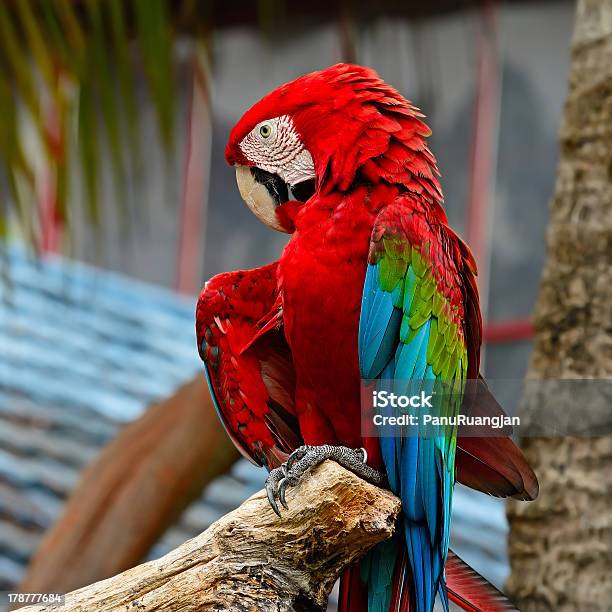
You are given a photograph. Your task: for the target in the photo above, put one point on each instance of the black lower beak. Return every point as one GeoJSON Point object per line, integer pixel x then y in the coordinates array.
{"type": "Point", "coordinates": [277, 188]}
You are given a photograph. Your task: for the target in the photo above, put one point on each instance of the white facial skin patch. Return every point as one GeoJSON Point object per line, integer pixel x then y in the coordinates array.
{"type": "Point", "coordinates": [275, 146]}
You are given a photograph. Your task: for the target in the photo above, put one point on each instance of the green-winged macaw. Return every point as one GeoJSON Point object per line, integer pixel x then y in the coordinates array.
{"type": "Point", "coordinates": [373, 284]}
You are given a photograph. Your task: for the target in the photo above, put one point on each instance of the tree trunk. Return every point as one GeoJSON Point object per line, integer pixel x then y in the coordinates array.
{"type": "Point", "coordinates": [561, 545]}
{"type": "Point", "coordinates": [252, 560]}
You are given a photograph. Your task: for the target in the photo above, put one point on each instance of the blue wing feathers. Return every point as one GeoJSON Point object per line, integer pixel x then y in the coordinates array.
{"type": "Point", "coordinates": [378, 329]}
{"type": "Point", "coordinates": [395, 347]}
{"type": "Point", "coordinates": [410, 358]}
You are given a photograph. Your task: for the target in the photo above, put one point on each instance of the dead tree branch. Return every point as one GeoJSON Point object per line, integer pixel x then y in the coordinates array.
{"type": "Point", "coordinates": [252, 560]}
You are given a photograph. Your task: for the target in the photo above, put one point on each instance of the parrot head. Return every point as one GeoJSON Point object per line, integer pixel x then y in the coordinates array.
{"type": "Point", "coordinates": [326, 130]}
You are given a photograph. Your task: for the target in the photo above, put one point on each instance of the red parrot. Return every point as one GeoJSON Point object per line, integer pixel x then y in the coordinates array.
{"type": "Point", "coordinates": [373, 284]}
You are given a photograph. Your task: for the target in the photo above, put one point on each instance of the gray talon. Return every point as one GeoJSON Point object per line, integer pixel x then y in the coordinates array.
{"type": "Point", "coordinates": [305, 458]}
{"type": "Point", "coordinates": [296, 455]}
{"type": "Point", "coordinates": [271, 500]}
{"type": "Point", "coordinates": [272, 482]}
{"type": "Point", "coordinates": [282, 488]}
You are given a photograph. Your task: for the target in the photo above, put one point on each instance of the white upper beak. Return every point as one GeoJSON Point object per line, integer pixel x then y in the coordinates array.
{"type": "Point", "coordinates": [257, 198]}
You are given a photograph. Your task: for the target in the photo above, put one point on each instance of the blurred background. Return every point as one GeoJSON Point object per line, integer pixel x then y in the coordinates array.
{"type": "Point", "coordinates": [116, 204]}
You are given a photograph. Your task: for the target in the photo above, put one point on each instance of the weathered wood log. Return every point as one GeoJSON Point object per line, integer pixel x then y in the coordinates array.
{"type": "Point", "coordinates": [252, 560]}
{"type": "Point", "coordinates": [133, 491]}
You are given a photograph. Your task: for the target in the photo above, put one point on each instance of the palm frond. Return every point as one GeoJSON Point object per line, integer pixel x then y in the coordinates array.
{"type": "Point", "coordinates": [155, 39]}
{"type": "Point", "coordinates": [68, 69]}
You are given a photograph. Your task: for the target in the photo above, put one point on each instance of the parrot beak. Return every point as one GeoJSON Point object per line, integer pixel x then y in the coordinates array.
{"type": "Point", "coordinates": [263, 193]}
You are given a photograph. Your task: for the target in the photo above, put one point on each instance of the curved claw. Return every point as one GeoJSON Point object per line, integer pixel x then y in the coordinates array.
{"type": "Point", "coordinates": [282, 488]}
{"type": "Point", "coordinates": [296, 455]}
{"type": "Point", "coordinates": [271, 499]}
{"type": "Point", "coordinates": [272, 482]}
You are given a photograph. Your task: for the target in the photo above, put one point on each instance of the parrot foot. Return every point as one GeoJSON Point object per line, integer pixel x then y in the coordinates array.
{"type": "Point", "coordinates": [305, 458]}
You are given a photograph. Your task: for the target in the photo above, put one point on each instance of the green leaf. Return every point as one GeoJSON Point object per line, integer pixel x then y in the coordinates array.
{"type": "Point", "coordinates": [71, 27]}
{"type": "Point", "coordinates": [12, 157]}
{"type": "Point", "coordinates": [104, 86]}
{"type": "Point", "coordinates": [155, 39]}
{"type": "Point", "coordinates": [36, 43]}
{"type": "Point", "coordinates": [64, 35]}
{"type": "Point", "coordinates": [125, 70]}
{"type": "Point", "coordinates": [70, 66]}
{"type": "Point", "coordinates": [17, 63]}
{"type": "Point", "coordinates": [88, 147]}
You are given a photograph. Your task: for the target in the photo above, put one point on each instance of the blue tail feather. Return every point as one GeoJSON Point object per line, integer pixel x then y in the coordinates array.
{"type": "Point", "coordinates": [377, 569]}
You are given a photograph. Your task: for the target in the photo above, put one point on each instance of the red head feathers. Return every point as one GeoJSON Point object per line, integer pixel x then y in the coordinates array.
{"type": "Point", "coordinates": [346, 125]}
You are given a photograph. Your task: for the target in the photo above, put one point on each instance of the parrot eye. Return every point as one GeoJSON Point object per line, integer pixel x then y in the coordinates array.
{"type": "Point", "coordinates": [265, 130]}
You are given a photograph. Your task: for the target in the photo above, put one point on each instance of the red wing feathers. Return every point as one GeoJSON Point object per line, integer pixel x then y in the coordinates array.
{"type": "Point", "coordinates": [493, 465]}
{"type": "Point", "coordinates": [470, 591]}
{"type": "Point", "coordinates": [248, 363]}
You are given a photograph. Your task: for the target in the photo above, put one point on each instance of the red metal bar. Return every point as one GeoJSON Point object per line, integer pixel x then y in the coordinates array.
{"type": "Point", "coordinates": [197, 158]}
{"type": "Point", "coordinates": [484, 145]}
{"type": "Point", "coordinates": [511, 330]}
{"type": "Point", "coordinates": [482, 175]}
{"type": "Point", "coordinates": [46, 175]}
